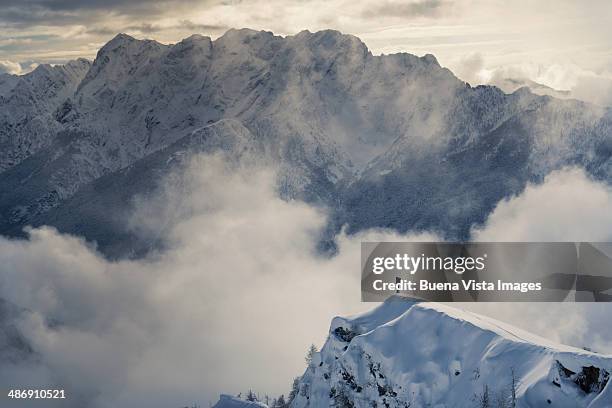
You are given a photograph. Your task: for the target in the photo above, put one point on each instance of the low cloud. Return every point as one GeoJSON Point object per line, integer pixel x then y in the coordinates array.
{"type": "Point", "coordinates": [567, 206]}
{"type": "Point", "coordinates": [470, 68]}
{"type": "Point", "coordinates": [409, 9]}
{"type": "Point", "coordinates": [149, 29]}
{"type": "Point", "coordinates": [594, 88]}
{"type": "Point", "coordinates": [561, 81]}
{"type": "Point", "coordinates": [9, 67]}
{"type": "Point", "coordinates": [233, 304]}
{"type": "Point", "coordinates": [237, 296]}
{"type": "Point", "coordinates": [578, 324]}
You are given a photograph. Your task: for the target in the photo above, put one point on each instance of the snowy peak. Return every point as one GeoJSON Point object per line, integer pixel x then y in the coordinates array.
{"type": "Point", "coordinates": [125, 44]}
{"type": "Point", "coordinates": [360, 133]}
{"type": "Point", "coordinates": [28, 104]}
{"type": "Point", "coordinates": [332, 40]}
{"type": "Point", "coordinates": [120, 39]}
{"type": "Point", "coordinates": [78, 67]}
{"type": "Point", "coordinates": [430, 59]}
{"type": "Point", "coordinates": [398, 308]}
{"type": "Point", "coordinates": [48, 83]}
{"type": "Point", "coordinates": [119, 59]}
{"type": "Point", "coordinates": [194, 44]}
{"type": "Point", "coordinates": [406, 353]}
{"type": "Point", "coordinates": [228, 401]}
{"type": "Point", "coordinates": [247, 45]}
{"type": "Point", "coordinates": [244, 35]}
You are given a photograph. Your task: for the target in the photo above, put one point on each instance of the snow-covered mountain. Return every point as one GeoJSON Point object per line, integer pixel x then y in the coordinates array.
{"type": "Point", "coordinates": [510, 85]}
{"type": "Point", "coordinates": [384, 141]}
{"type": "Point", "coordinates": [28, 105]}
{"type": "Point", "coordinates": [409, 354]}
{"type": "Point", "coordinates": [228, 401]}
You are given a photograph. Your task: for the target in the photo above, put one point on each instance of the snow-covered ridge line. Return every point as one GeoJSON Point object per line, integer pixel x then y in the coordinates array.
{"type": "Point", "coordinates": [383, 141]}
{"type": "Point", "coordinates": [405, 353]}
{"type": "Point", "coordinates": [229, 401]}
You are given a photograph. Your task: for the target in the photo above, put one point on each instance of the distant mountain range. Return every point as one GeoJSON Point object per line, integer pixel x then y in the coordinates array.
{"type": "Point", "coordinates": [392, 141]}
{"type": "Point", "coordinates": [512, 84]}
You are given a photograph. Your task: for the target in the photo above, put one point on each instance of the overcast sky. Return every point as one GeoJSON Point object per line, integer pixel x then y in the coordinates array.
{"type": "Point", "coordinates": [564, 44]}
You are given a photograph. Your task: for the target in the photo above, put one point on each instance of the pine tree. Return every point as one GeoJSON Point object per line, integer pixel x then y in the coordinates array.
{"type": "Point", "coordinates": [295, 389]}
{"type": "Point", "coordinates": [312, 350]}
{"type": "Point", "coordinates": [251, 396]}
{"type": "Point", "coordinates": [280, 402]}
{"type": "Point", "coordinates": [484, 398]}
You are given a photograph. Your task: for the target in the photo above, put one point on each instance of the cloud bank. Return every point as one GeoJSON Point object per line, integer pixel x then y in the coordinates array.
{"type": "Point", "coordinates": [239, 294]}
{"type": "Point", "coordinates": [567, 207]}
{"type": "Point", "coordinates": [233, 304]}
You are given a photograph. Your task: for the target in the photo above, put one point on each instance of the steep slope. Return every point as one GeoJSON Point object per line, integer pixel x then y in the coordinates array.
{"type": "Point", "coordinates": [384, 141]}
{"type": "Point", "coordinates": [488, 148]}
{"type": "Point", "coordinates": [29, 105]}
{"type": "Point", "coordinates": [227, 401]}
{"type": "Point", "coordinates": [100, 209]}
{"type": "Point", "coordinates": [408, 354]}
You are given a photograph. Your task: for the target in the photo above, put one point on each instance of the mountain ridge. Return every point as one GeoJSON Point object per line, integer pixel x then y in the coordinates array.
{"type": "Point", "coordinates": [407, 353]}
{"type": "Point", "coordinates": [370, 137]}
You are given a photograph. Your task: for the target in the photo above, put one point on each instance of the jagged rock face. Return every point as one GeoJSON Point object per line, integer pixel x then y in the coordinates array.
{"type": "Point", "coordinates": [407, 354]}
{"type": "Point", "coordinates": [590, 379]}
{"type": "Point", "coordinates": [385, 141]}
{"type": "Point", "coordinates": [27, 108]}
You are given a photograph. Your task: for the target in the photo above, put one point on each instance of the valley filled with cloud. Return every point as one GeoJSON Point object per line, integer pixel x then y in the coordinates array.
{"type": "Point", "coordinates": [240, 291]}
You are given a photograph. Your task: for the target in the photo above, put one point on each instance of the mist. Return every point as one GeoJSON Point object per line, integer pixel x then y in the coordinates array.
{"type": "Point", "coordinates": [568, 206]}
{"type": "Point", "coordinates": [232, 304]}
{"type": "Point", "coordinates": [234, 300]}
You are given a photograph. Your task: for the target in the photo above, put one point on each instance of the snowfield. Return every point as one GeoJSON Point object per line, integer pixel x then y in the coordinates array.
{"type": "Point", "coordinates": [228, 401]}
{"type": "Point", "coordinates": [410, 354]}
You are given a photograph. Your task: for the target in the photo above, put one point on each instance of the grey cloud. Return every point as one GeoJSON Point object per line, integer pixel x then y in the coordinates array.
{"type": "Point", "coordinates": [567, 206]}
{"type": "Point", "coordinates": [149, 28]}
{"type": "Point", "coordinates": [148, 332]}
{"type": "Point", "coordinates": [63, 12]}
{"type": "Point", "coordinates": [102, 31]}
{"type": "Point", "coordinates": [24, 43]}
{"type": "Point", "coordinates": [75, 5]}
{"type": "Point", "coordinates": [418, 8]}
{"type": "Point", "coordinates": [28, 15]}
{"type": "Point", "coordinates": [145, 28]}
{"type": "Point", "coordinates": [190, 25]}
